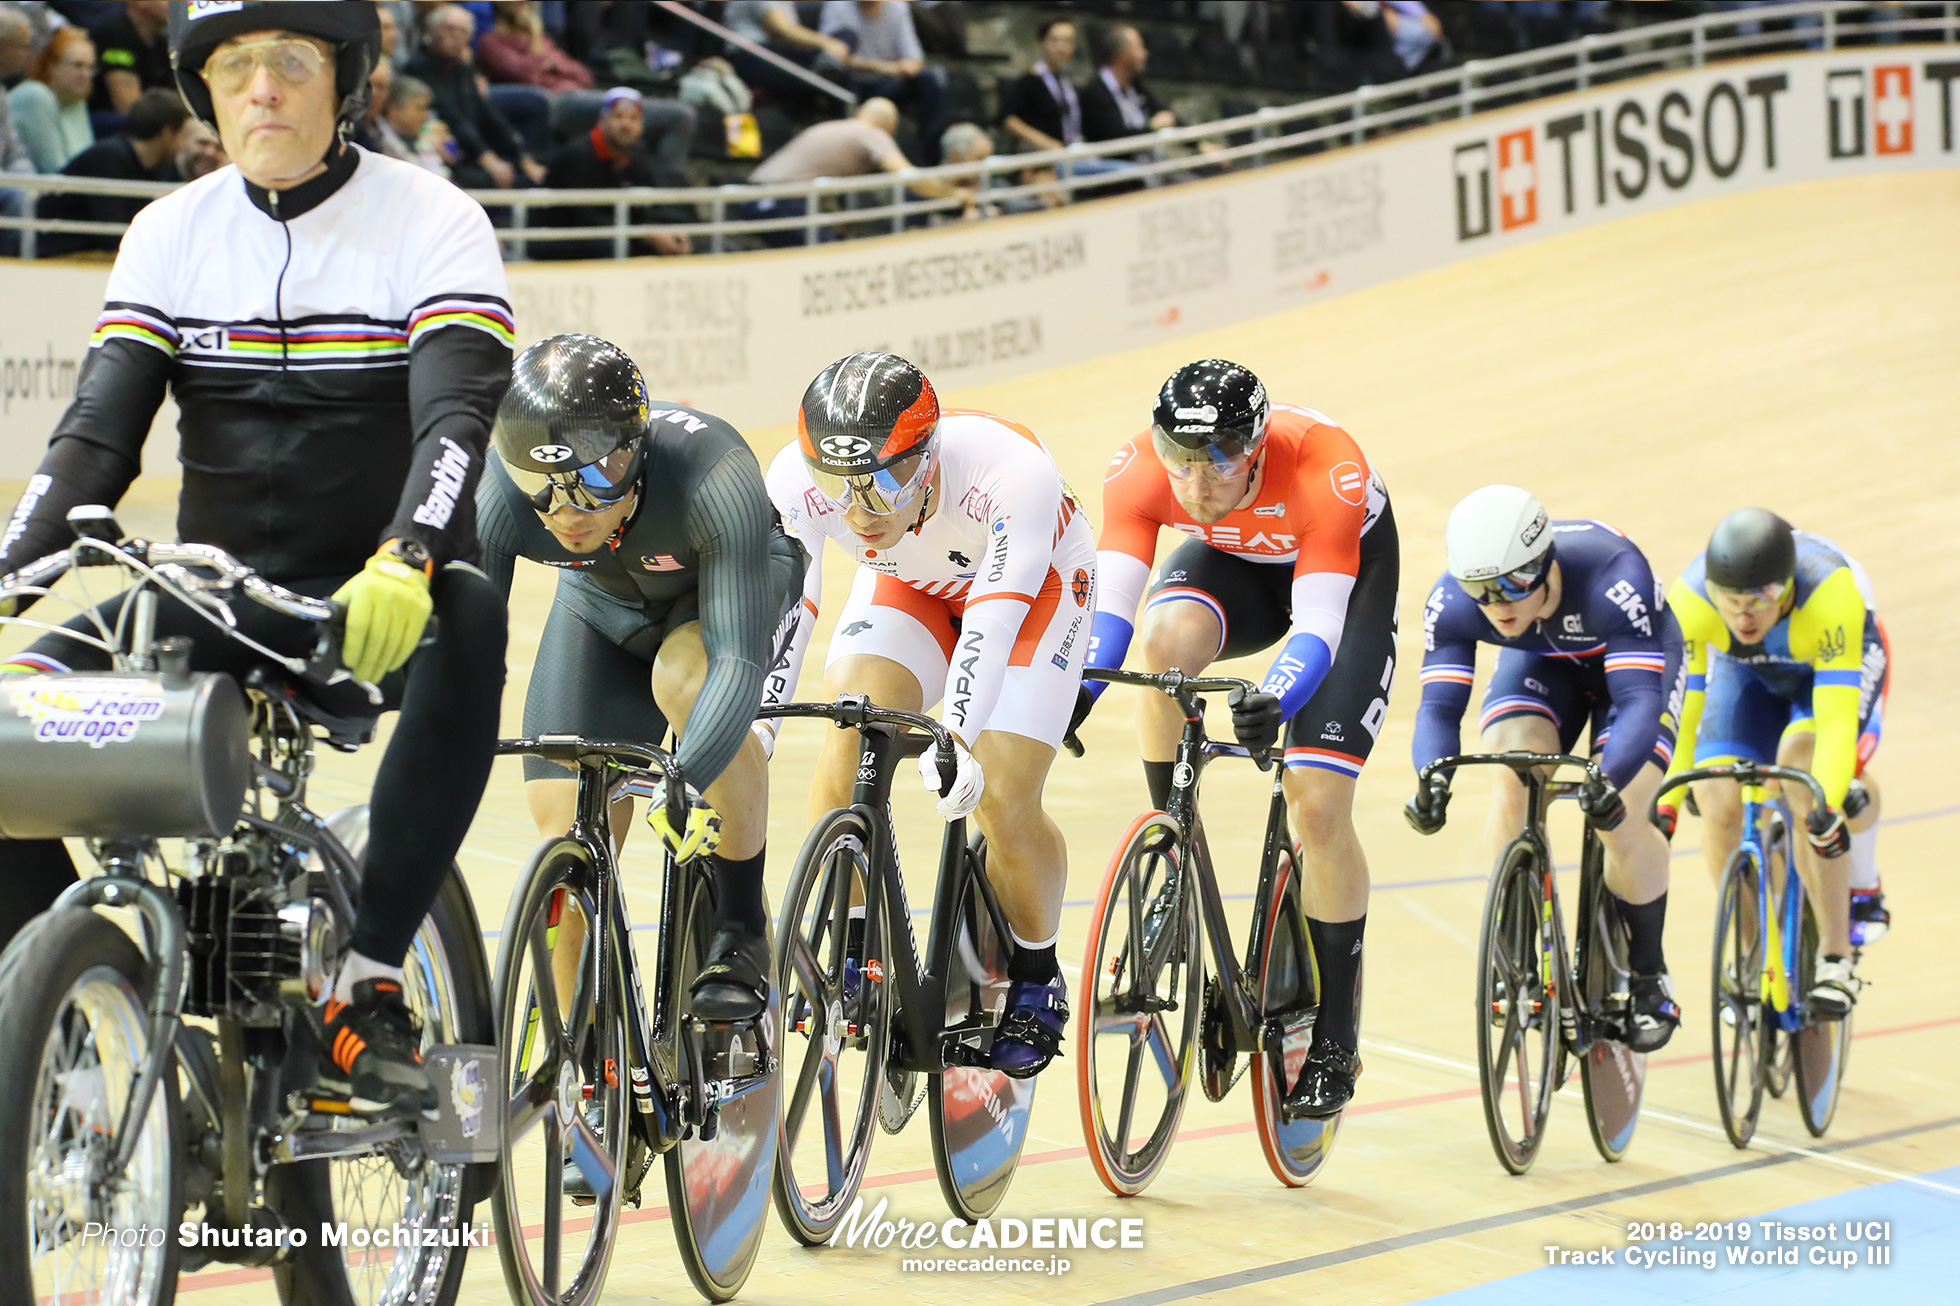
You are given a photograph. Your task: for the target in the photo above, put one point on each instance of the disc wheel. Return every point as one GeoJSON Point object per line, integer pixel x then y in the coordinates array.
{"type": "Point", "coordinates": [835, 1043]}
{"type": "Point", "coordinates": [979, 1115]}
{"type": "Point", "coordinates": [718, 1175]}
{"type": "Point", "coordinates": [73, 1042]}
{"type": "Point", "coordinates": [1288, 1001]}
{"type": "Point", "coordinates": [1517, 1010]}
{"type": "Point", "coordinates": [1820, 1047]}
{"type": "Point", "coordinates": [1611, 1074]}
{"type": "Point", "coordinates": [1138, 1032]}
{"type": "Point", "coordinates": [1743, 1028]}
{"type": "Point", "coordinates": [564, 1079]}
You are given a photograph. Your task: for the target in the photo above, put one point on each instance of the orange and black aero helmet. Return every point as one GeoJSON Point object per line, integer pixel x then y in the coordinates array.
{"type": "Point", "coordinates": [868, 429]}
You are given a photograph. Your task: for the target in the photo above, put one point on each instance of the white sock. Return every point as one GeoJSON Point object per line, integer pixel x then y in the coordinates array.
{"type": "Point", "coordinates": [1048, 942]}
{"type": "Point", "coordinates": [360, 967]}
{"type": "Point", "coordinates": [1864, 859]}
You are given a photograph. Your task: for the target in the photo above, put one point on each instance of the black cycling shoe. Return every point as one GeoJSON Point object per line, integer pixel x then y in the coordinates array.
{"type": "Point", "coordinates": [734, 985]}
{"type": "Point", "coordinates": [1869, 917]}
{"type": "Point", "coordinates": [1326, 1082]}
{"type": "Point", "coordinates": [374, 1053]}
{"type": "Point", "coordinates": [1652, 1014]}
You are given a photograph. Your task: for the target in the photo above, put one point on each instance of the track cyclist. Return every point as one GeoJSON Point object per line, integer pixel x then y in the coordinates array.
{"type": "Point", "coordinates": [1576, 611]}
{"type": "Point", "coordinates": [335, 328]}
{"type": "Point", "coordinates": [1787, 663]}
{"type": "Point", "coordinates": [975, 583]}
{"type": "Point", "coordinates": [1292, 538]}
{"type": "Point", "coordinates": [673, 579]}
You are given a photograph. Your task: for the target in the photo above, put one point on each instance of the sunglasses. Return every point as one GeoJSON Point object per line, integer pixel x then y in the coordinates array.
{"type": "Point", "coordinates": [1212, 463]}
{"type": "Point", "coordinates": [1511, 587]}
{"type": "Point", "coordinates": [882, 493]}
{"type": "Point", "coordinates": [595, 487]}
{"type": "Point", "coordinates": [291, 63]}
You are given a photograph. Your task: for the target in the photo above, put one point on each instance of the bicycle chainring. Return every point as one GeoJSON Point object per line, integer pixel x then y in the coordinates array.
{"type": "Point", "coordinates": [1218, 1061]}
{"type": "Point", "coordinates": [898, 1097]}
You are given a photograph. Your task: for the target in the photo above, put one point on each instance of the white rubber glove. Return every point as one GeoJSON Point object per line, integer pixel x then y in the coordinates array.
{"type": "Point", "coordinates": [967, 781]}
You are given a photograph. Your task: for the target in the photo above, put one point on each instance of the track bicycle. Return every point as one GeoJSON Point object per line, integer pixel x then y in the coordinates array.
{"type": "Point", "coordinates": [864, 1020]}
{"type": "Point", "coordinates": [1766, 947]}
{"type": "Point", "coordinates": [139, 1081]}
{"type": "Point", "coordinates": [601, 1082]}
{"type": "Point", "coordinates": [1156, 1007]}
{"type": "Point", "coordinates": [1540, 1002]}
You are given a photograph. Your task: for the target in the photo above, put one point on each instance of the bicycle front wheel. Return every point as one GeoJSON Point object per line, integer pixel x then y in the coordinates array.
{"type": "Point", "coordinates": [73, 1042]}
{"type": "Point", "coordinates": [1140, 1008]}
{"type": "Point", "coordinates": [1742, 1028]}
{"type": "Point", "coordinates": [1289, 1000]}
{"type": "Point", "coordinates": [836, 1031]}
{"type": "Point", "coordinates": [564, 1094]}
{"type": "Point", "coordinates": [1518, 1038]}
{"type": "Point", "coordinates": [1821, 1047]}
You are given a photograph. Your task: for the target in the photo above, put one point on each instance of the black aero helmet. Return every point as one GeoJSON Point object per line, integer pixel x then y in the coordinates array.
{"type": "Point", "coordinates": [1210, 414]}
{"type": "Point", "coordinates": [572, 421]}
{"type": "Point", "coordinates": [1749, 549]}
{"type": "Point", "coordinates": [350, 26]}
{"type": "Point", "coordinates": [868, 428]}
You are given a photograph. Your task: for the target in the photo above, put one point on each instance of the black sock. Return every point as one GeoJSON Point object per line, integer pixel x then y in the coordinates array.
{"type": "Point", "coordinates": [34, 871]}
{"type": "Point", "coordinates": [1644, 931]}
{"type": "Point", "coordinates": [1035, 965]}
{"type": "Point", "coordinates": [738, 893]}
{"type": "Point", "coordinates": [1337, 951]}
{"type": "Point", "coordinates": [1157, 776]}
{"type": "Point", "coordinates": [1833, 956]}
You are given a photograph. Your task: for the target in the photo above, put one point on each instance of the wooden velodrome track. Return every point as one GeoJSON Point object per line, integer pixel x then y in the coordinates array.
{"type": "Point", "coordinates": [1793, 347]}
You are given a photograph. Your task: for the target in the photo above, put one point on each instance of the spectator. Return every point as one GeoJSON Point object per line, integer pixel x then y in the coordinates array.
{"type": "Point", "coordinates": [1375, 41]}
{"type": "Point", "coordinates": [1115, 102]}
{"type": "Point", "coordinates": [407, 129]}
{"type": "Point", "coordinates": [965, 142]}
{"type": "Point", "coordinates": [132, 56]}
{"type": "Point", "coordinates": [842, 147]}
{"type": "Point", "coordinates": [391, 34]}
{"type": "Point", "coordinates": [16, 46]}
{"type": "Point", "coordinates": [14, 157]}
{"type": "Point", "coordinates": [146, 150]}
{"type": "Point", "coordinates": [886, 60]}
{"type": "Point", "coordinates": [1041, 107]}
{"type": "Point", "coordinates": [774, 24]}
{"type": "Point", "coordinates": [526, 70]}
{"type": "Point", "coordinates": [50, 108]}
{"type": "Point", "coordinates": [491, 155]}
{"type": "Point", "coordinates": [610, 156]}
{"type": "Point", "coordinates": [199, 152]}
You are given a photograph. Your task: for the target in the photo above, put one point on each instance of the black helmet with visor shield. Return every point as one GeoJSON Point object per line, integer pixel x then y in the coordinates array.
{"type": "Point", "coordinates": [1751, 558]}
{"type": "Point", "coordinates": [1210, 418]}
{"type": "Point", "coordinates": [868, 428]}
{"type": "Point", "coordinates": [571, 426]}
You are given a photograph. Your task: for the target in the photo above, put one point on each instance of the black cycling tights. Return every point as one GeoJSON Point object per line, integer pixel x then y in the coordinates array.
{"type": "Point", "coordinates": [430, 780]}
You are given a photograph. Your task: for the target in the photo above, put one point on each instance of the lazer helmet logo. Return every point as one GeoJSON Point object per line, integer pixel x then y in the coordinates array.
{"type": "Point", "coordinates": [550, 453]}
{"type": "Point", "coordinates": [1202, 413]}
{"type": "Point", "coordinates": [844, 446]}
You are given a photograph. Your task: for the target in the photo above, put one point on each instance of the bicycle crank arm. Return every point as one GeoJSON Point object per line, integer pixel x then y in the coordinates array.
{"type": "Point", "coordinates": [955, 1050]}
{"type": "Point", "coordinates": [316, 1143]}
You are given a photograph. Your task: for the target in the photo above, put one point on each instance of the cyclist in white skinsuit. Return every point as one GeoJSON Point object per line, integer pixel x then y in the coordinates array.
{"type": "Point", "coordinates": [976, 583]}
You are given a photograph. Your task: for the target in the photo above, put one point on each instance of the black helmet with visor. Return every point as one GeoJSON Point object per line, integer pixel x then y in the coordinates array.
{"type": "Point", "coordinates": [572, 424]}
{"type": "Point", "coordinates": [1752, 556]}
{"type": "Point", "coordinates": [868, 427]}
{"type": "Point", "coordinates": [1211, 417]}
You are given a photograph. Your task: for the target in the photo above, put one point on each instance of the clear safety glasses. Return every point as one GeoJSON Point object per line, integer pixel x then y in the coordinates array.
{"type": "Point", "coordinates": [891, 489]}
{"type": "Point", "coordinates": [1769, 598]}
{"type": "Point", "coordinates": [291, 62]}
{"type": "Point", "coordinates": [1510, 587]}
{"type": "Point", "coordinates": [1217, 463]}
{"type": "Point", "coordinates": [594, 487]}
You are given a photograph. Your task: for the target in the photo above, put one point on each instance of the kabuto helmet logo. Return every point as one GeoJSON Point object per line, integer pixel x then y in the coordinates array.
{"type": "Point", "coordinates": [844, 446]}
{"type": "Point", "coordinates": [551, 453]}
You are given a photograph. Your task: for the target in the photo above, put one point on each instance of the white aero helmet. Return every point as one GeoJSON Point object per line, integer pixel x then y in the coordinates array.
{"type": "Point", "coordinates": [1499, 543]}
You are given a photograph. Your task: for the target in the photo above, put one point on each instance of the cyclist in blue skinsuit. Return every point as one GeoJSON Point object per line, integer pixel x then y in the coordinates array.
{"type": "Point", "coordinates": [1585, 639]}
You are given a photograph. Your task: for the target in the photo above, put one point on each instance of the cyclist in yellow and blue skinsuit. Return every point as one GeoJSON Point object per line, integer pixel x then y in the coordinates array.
{"type": "Point", "coordinates": [1786, 663]}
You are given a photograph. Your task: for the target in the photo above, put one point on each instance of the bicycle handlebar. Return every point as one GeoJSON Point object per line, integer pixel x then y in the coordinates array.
{"type": "Point", "coordinates": [1744, 773]}
{"type": "Point", "coordinates": [576, 751]}
{"type": "Point", "coordinates": [1518, 760]}
{"type": "Point", "coordinates": [1176, 684]}
{"type": "Point", "coordinates": [856, 711]}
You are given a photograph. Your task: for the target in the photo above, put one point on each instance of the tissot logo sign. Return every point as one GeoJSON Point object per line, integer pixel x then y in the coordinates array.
{"type": "Point", "coordinates": [1659, 139]}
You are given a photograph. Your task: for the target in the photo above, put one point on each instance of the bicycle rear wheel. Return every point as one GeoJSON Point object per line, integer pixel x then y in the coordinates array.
{"type": "Point", "coordinates": [979, 1115]}
{"type": "Point", "coordinates": [1141, 965]}
{"type": "Point", "coordinates": [1742, 1027]}
{"type": "Point", "coordinates": [1611, 1074]}
{"type": "Point", "coordinates": [564, 1071]}
{"type": "Point", "coordinates": [835, 1043]}
{"type": "Point", "coordinates": [1820, 1047]}
{"type": "Point", "coordinates": [1289, 998]}
{"type": "Point", "coordinates": [73, 1042]}
{"type": "Point", "coordinates": [718, 1174]}
{"type": "Point", "coordinates": [1518, 1038]}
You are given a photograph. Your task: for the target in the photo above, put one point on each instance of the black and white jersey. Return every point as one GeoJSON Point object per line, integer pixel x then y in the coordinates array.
{"type": "Point", "coordinates": [336, 350]}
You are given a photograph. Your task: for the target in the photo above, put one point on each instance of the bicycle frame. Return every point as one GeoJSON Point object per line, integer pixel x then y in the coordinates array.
{"type": "Point", "coordinates": [923, 1042]}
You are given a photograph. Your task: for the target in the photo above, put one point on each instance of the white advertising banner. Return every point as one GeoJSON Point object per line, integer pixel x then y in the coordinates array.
{"type": "Point", "coordinates": [977, 302]}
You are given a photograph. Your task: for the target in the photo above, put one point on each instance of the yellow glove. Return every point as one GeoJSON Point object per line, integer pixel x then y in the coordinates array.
{"type": "Point", "coordinates": [388, 605]}
{"type": "Point", "coordinates": [7, 607]}
{"type": "Point", "coordinates": [701, 829]}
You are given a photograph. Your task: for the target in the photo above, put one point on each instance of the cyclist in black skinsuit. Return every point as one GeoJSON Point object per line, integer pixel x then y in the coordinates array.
{"type": "Point", "coordinates": [335, 328]}
{"type": "Point", "coordinates": [674, 580]}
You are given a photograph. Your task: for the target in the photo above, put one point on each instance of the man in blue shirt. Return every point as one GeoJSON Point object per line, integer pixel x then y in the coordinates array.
{"type": "Point", "coordinates": [1586, 639]}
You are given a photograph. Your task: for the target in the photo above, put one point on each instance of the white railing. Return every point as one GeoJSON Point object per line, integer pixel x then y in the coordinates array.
{"type": "Point", "coordinates": [831, 207]}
